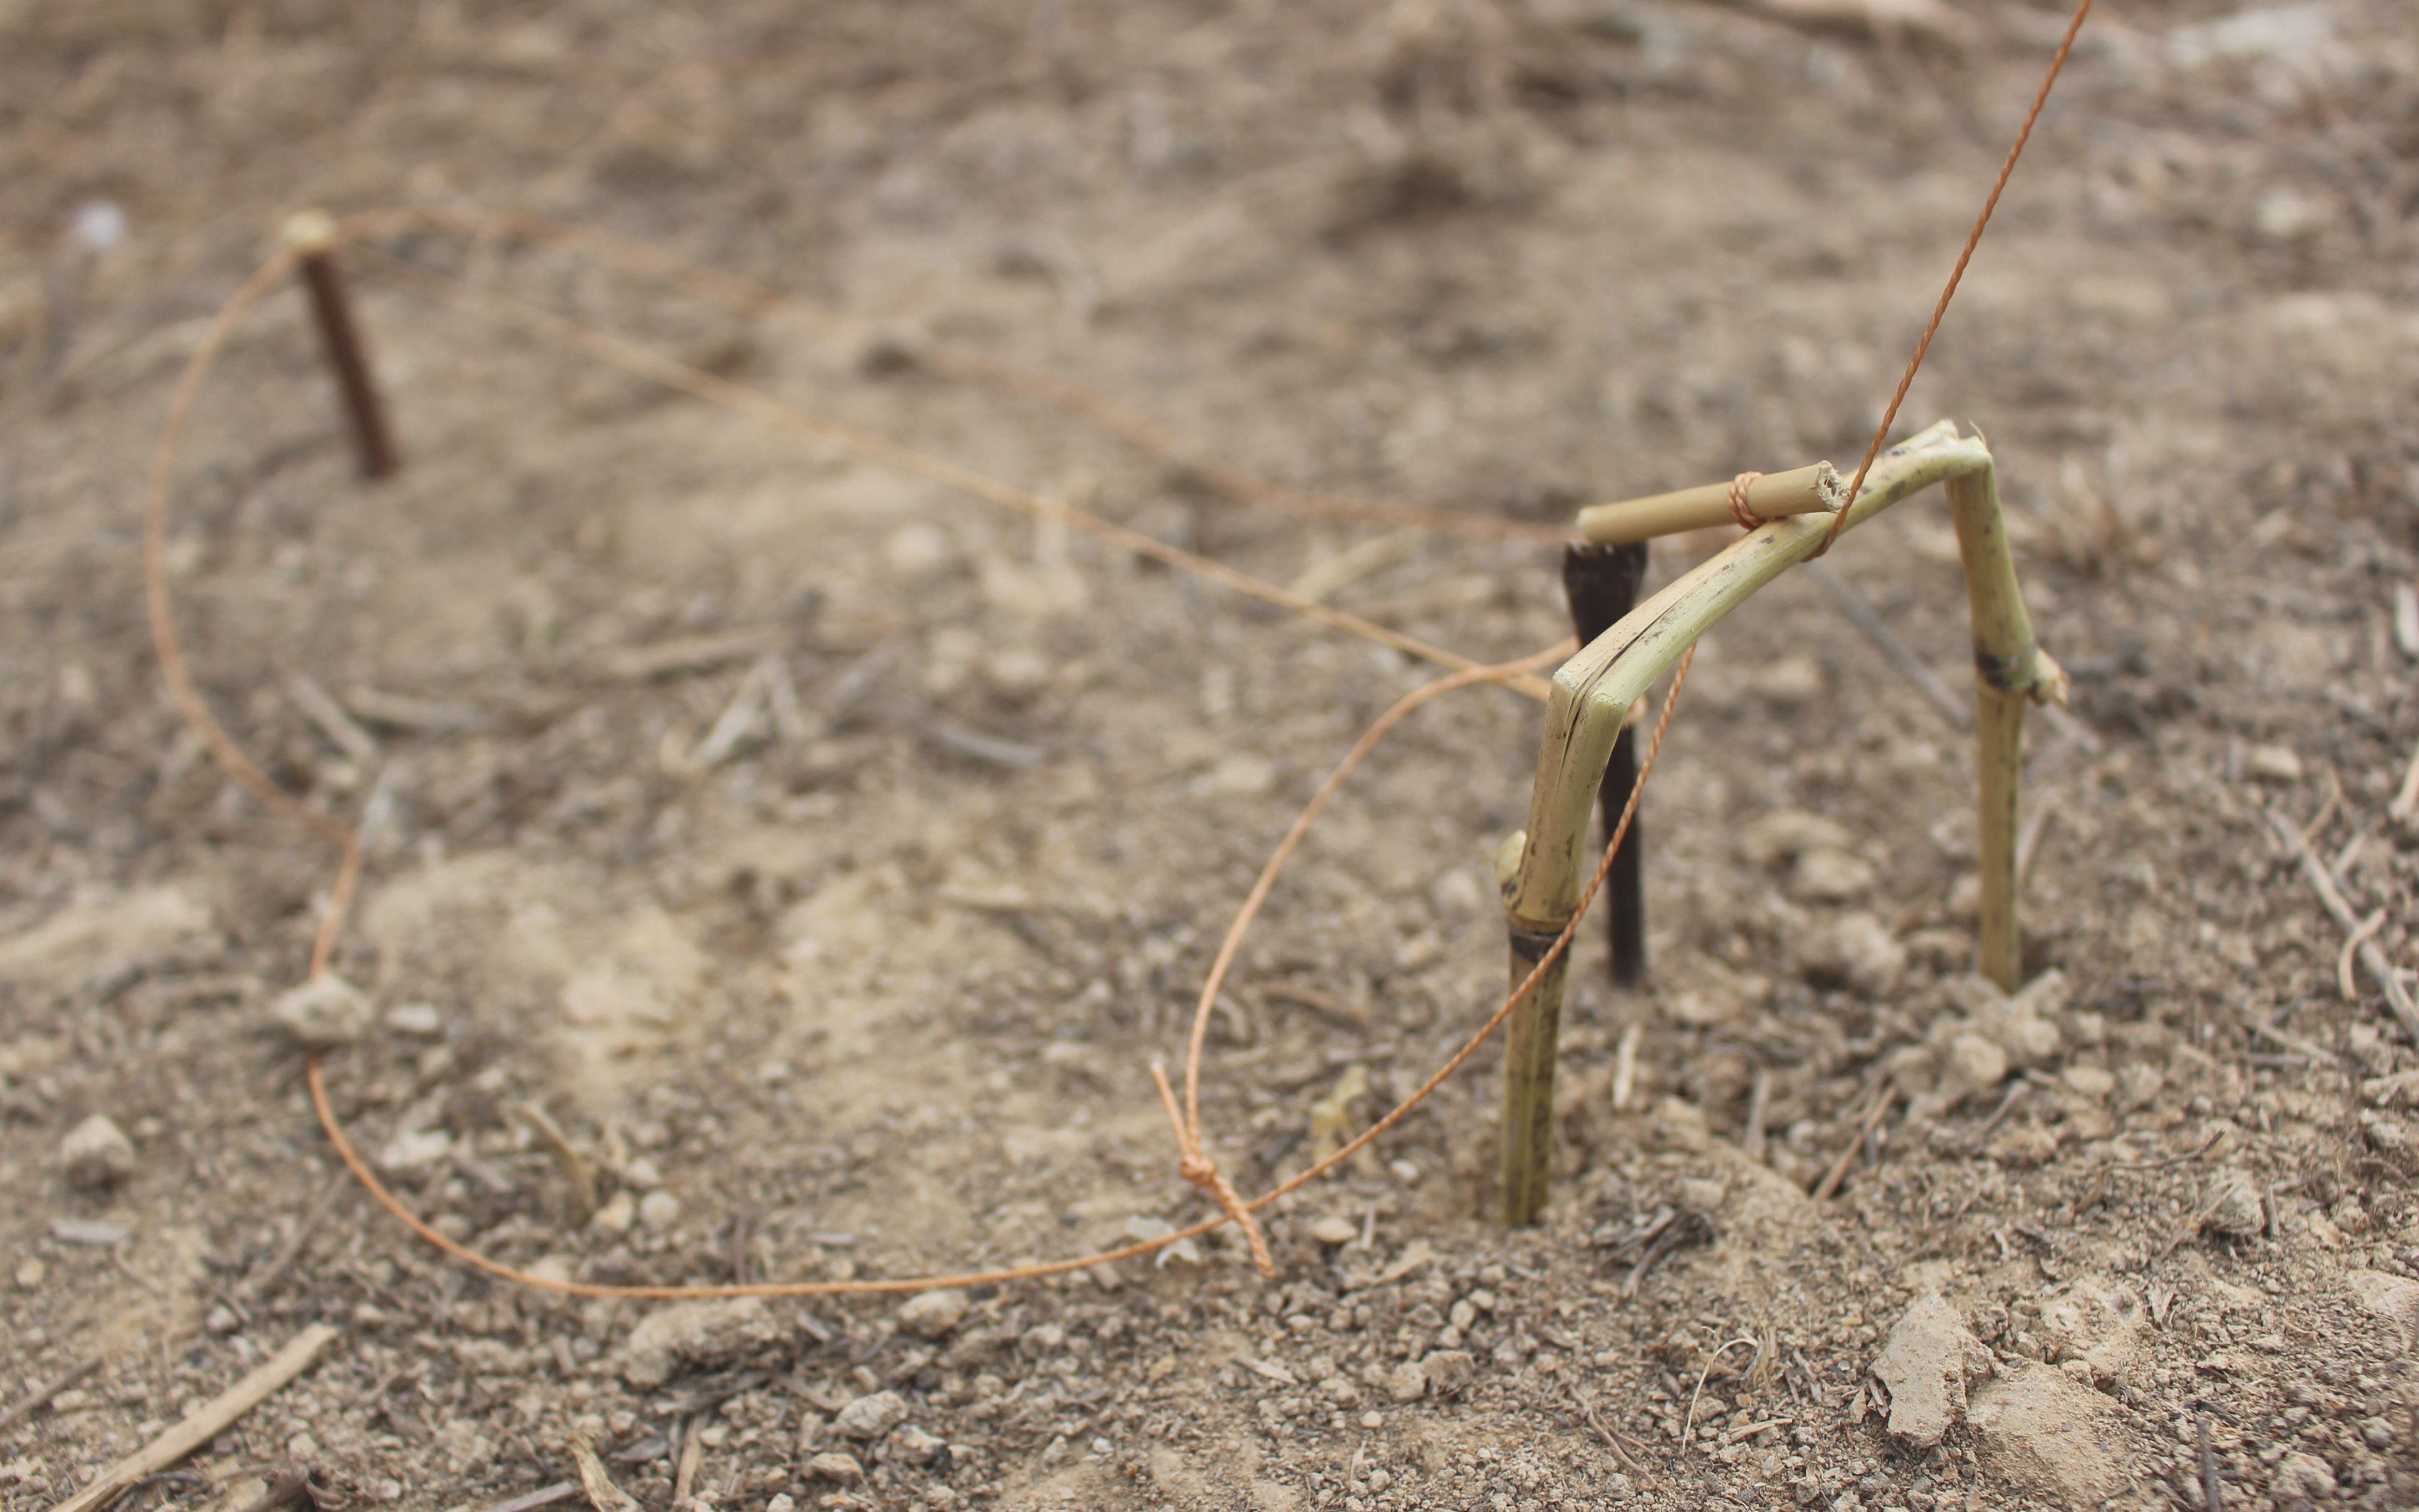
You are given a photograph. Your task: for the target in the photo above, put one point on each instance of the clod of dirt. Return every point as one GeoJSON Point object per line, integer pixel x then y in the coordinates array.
{"type": "Point", "coordinates": [659, 1210]}
{"type": "Point", "coordinates": [932, 1313]}
{"type": "Point", "coordinates": [1333, 1229]}
{"type": "Point", "coordinates": [416, 1021]}
{"type": "Point", "coordinates": [2234, 1207]}
{"type": "Point", "coordinates": [1785, 834]}
{"type": "Point", "coordinates": [2042, 1432]}
{"type": "Point", "coordinates": [1406, 1382]}
{"type": "Point", "coordinates": [2097, 1320]}
{"type": "Point", "coordinates": [1858, 951]}
{"type": "Point", "coordinates": [2023, 1146]}
{"type": "Point", "coordinates": [1448, 1370]}
{"type": "Point", "coordinates": [96, 1154]}
{"type": "Point", "coordinates": [1971, 1063]}
{"type": "Point", "coordinates": [326, 1013]}
{"type": "Point", "coordinates": [836, 1467]}
{"type": "Point", "coordinates": [1927, 1365]}
{"type": "Point", "coordinates": [1828, 874]}
{"type": "Point", "coordinates": [870, 1417]}
{"type": "Point", "coordinates": [414, 1151]}
{"type": "Point", "coordinates": [911, 1446]}
{"type": "Point", "coordinates": [2393, 1300]}
{"type": "Point", "coordinates": [698, 1335]}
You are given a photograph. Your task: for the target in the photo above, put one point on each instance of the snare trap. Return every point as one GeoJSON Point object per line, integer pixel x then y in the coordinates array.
{"type": "Point", "coordinates": [1624, 647]}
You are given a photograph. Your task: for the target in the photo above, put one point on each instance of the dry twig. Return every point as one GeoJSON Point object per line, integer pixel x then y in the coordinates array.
{"type": "Point", "coordinates": [205, 1422]}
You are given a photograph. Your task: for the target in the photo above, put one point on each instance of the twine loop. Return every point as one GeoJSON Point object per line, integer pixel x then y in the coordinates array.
{"type": "Point", "coordinates": [1741, 510]}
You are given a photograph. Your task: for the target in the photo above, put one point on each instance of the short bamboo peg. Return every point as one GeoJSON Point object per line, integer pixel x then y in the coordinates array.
{"type": "Point", "coordinates": [313, 239]}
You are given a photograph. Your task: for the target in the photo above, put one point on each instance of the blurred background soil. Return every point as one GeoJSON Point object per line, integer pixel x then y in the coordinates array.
{"type": "Point", "coordinates": [873, 991]}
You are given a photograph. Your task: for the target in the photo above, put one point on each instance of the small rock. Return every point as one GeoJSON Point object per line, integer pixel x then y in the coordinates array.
{"type": "Point", "coordinates": [781, 1502]}
{"type": "Point", "coordinates": [416, 1021]}
{"type": "Point", "coordinates": [2392, 1300]}
{"type": "Point", "coordinates": [1789, 681]}
{"type": "Point", "coordinates": [834, 1466]}
{"type": "Point", "coordinates": [1705, 1009]}
{"type": "Point", "coordinates": [1335, 1229]}
{"type": "Point", "coordinates": [1406, 1382]}
{"type": "Point", "coordinates": [2138, 1086]}
{"type": "Point", "coordinates": [1829, 874]}
{"type": "Point", "coordinates": [326, 1014]}
{"type": "Point", "coordinates": [2097, 1321]}
{"type": "Point", "coordinates": [1619, 1487]}
{"type": "Point", "coordinates": [1857, 951]}
{"type": "Point", "coordinates": [1970, 1063]}
{"type": "Point", "coordinates": [97, 1232]}
{"type": "Point", "coordinates": [698, 1335]}
{"type": "Point", "coordinates": [96, 1154]}
{"type": "Point", "coordinates": [1704, 1195]}
{"type": "Point", "coordinates": [2233, 1206]}
{"type": "Point", "coordinates": [2044, 996]}
{"type": "Point", "coordinates": [1927, 1365]}
{"type": "Point", "coordinates": [870, 1417]}
{"type": "Point", "coordinates": [616, 1216]}
{"type": "Point", "coordinates": [2049, 1436]}
{"type": "Point", "coordinates": [911, 1446]}
{"type": "Point", "coordinates": [31, 1273]}
{"type": "Point", "coordinates": [2023, 1146]}
{"type": "Point", "coordinates": [2092, 1082]}
{"type": "Point", "coordinates": [2305, 1476]}
{"type": "Point", "coordinates": [414, 1151]}
{"type": "Point", "coordinates": [2272, 763]}
{"type": "Point", "coordinates": [659, 1210]}
{"type": "Point", "coordinates": [1785, 834]}
{"type": "Point", "coordinates": [1448, 1370]}
{"type": "Point", "coordinates": [933, 1314]}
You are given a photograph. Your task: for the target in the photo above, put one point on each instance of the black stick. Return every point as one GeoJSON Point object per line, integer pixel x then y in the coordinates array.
{"type": "Point", "coordinates": [1602, 584]}
{"type": "Point", "coordinates": [373, 443]}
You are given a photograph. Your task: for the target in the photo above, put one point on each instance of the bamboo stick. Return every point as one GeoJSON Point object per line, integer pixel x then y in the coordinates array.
{"type": "Point", "coordinates": [1809, 491]}
{"type": "Point", "coordinates": [1591, 698]}
{"type": "Point", "coordinates": [2009, 671]}
{"type": "Point", "coordinates": [1602, 583]}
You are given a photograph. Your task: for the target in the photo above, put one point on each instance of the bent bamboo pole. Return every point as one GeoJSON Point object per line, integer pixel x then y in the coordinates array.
{"type": "Point", "coordinates": [1591, 698]}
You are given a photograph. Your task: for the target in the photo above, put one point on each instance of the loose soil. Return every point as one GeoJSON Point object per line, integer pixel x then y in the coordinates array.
{"type": "Point", "coordinates": [875, 993]}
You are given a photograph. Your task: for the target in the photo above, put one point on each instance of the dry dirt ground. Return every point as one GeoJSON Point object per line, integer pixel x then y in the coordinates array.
{"type": "Point", "coordinates": [874, 994]}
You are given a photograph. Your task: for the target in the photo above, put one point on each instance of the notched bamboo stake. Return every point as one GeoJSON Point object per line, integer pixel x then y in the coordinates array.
{"type": "Point", "coordinates": [1809, 491]}
{"type": "Point", "coordinates": [1591, 700]}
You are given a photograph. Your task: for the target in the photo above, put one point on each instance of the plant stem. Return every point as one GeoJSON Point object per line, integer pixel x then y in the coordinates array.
{"type": "Point", "coordinates": [313, 237]}
{"type": "Point", "coordinates": [1809, 491]}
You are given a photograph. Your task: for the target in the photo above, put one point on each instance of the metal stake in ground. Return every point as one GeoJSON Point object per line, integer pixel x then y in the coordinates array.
{"type": "Point", "coordinates": [311, 235]}
{"type": "Point", "coordinates": [1601, 582]}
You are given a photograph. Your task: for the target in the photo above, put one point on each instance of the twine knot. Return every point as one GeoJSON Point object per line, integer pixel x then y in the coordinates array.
{"type": "Point", "coordinates": [1194, 1165]}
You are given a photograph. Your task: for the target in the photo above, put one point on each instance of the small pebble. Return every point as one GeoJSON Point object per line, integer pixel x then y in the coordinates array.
{"type": "Point", "coordinates": [837, 1467]}
{"type": "Point", "coordinates": [96, 1154]}
{"type": "Point", "coordinates": [1335, 1231]}
{"type": "Point", "coordinates": [1372, 1420]}
{"type": "Point", "coordinates": [870, 1417]}
{"type": "Point", "coordinates": [932, 1313]}
{"type": "Point", "coordinates": [416, 1021]}
{"type": "Point", "coordinates": [327, 1014]}
{"type": "Point", "coordinates": [31, 1271]}
{"type": "Point", "coordinates": [659, 1210]}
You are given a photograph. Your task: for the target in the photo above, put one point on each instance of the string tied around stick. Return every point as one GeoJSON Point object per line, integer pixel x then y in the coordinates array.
{"type": "Point", "coordinates": [1197, 1167]}
{"type": "Point", "coordinates": [1741, 510]}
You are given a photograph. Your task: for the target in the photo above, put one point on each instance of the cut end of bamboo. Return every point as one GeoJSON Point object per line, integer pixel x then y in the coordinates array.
{"type": "Point", "coordinates": [310, 233]}
{"type": "Point", "coordinates": [1807, 490]}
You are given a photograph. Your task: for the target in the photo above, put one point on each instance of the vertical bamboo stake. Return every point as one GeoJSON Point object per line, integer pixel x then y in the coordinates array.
{"type": "Point", "coordinates": [2010, 670]}
{"type": "Point", "coordinates": [312, 237]}
{"type": "Point", "coordinates": [1601, 582]}
{"type": "Point", "coordinates": [1531, 1040]}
